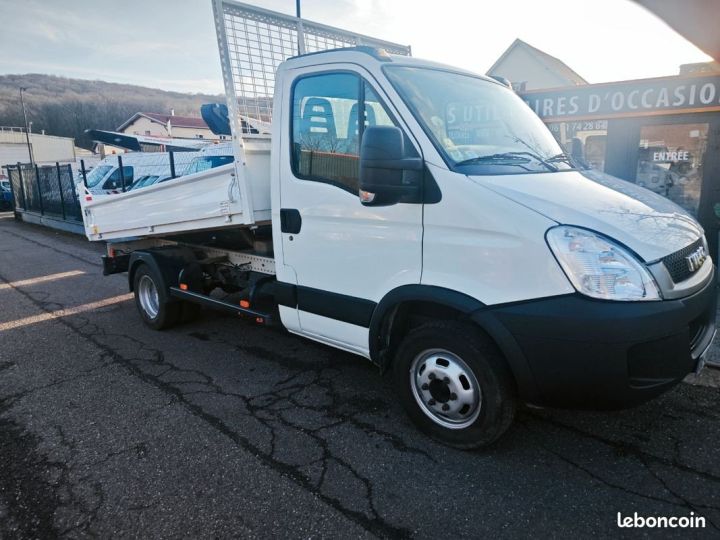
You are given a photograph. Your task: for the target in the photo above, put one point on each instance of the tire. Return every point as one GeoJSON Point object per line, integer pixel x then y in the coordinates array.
{"type": "Point", "coordinates": [152, 300]}
{"type": "Point", "coordinates": [455, 384]}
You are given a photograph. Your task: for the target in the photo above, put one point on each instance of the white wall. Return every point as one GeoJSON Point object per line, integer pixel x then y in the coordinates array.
{"type": "Point", "coordinates": [46, 148]}
{"type": "Point", "coordinates": [11, 153]}
{"type": "Point", "coordinates": [49, 149]}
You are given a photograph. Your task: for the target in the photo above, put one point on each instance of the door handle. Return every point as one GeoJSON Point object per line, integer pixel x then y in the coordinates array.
{"type": "Point", "coordinates": [290, 220]}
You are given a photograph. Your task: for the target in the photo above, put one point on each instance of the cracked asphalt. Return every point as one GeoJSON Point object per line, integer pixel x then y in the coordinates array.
{"type": "Point", "coordinates": [221, 428]}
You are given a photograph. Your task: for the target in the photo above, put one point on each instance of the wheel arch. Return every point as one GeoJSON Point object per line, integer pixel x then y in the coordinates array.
{"type": "Point", "coordinates": [165, 262]}
{"type": "Point", "coordinates": [390, 322]}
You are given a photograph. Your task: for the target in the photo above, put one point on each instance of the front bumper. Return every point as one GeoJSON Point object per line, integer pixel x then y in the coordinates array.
{"type": "Point", "coordinates": [594, 354]}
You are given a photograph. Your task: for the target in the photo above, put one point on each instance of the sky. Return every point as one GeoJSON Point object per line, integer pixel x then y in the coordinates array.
{"type": "Point", "coordinates": [170, 44]}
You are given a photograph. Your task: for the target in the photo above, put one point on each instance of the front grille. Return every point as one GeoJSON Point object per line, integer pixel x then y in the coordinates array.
{"type": "Point", "coordinates": [676, 264]}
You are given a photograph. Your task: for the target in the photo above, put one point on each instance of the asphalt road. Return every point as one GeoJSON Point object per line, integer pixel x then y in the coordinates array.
{"type": "Point", "coordinates": [220, 428]}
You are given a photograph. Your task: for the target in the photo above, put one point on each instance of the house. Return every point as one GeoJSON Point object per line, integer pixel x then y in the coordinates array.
{"type": "Point", "coordinates": [168, 125]}
{"type": "Point", "coordinates": [528, 68]}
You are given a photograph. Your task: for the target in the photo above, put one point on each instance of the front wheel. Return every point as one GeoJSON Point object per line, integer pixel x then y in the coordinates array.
{"type": "Point", "coordinates": [455, 384]}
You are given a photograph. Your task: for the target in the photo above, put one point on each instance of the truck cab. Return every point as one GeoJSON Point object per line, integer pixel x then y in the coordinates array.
{"type": "Point", "coordinates": [453, 200]}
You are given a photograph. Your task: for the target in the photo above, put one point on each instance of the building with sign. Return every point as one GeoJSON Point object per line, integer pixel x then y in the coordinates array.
{"type": "Point", "coordinates": [661, 133]}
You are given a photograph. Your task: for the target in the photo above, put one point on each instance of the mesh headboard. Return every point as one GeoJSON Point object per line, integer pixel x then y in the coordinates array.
{"type": "Point", "coordinates": [253, 41]}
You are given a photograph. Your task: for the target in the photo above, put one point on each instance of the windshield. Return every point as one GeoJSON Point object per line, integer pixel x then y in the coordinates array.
{"type": "Point", "coordinates": [208, 162]}
{"type": "Point", "coordinates": [4, 185]}
{"type": "Point", "coordinates": [144, 181]}
{"type": "Point", "coordinates": [478, 126]}
{"type": "Point", "coordinates": [97, 174]}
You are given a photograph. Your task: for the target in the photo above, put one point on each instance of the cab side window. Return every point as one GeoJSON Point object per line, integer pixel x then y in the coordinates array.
{"type": "Point", "coordinates": [327, 129]}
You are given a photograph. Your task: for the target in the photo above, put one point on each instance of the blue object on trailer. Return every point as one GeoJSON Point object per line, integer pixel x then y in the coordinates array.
{"type": "Point", "coordinates": [5, 195]}
{"type": "Point", "coordinates": [216, 117]}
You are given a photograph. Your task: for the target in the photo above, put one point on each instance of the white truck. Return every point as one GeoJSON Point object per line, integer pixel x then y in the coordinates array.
{"type": "Point", "coordinates": [423, 217]}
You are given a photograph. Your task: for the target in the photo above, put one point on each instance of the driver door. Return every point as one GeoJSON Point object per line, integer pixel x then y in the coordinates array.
{"type": "Point", "coordinates": [343, 256]}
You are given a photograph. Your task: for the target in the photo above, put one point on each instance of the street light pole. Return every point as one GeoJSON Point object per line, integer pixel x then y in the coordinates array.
{"type": "Point", "coordinates": [300, 30]}
{"type": "Point", "coordinates": [27, 129]}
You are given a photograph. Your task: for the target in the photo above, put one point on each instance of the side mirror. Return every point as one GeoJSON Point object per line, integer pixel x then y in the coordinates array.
{"type": "Point", "coordinates": [386, 175]}
{"type": "Point", "coordinates": [576, 149]}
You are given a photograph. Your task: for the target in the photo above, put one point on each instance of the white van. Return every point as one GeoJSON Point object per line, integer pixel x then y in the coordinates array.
{"type": "Point", "coordinates": [106, 177]}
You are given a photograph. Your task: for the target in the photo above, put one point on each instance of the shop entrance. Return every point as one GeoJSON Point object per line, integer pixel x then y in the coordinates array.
{"type": "Point", "coordinates": [670, 161]}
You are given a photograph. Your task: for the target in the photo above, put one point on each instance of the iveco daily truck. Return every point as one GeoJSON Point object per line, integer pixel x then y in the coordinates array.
{"type": "Point", "coordinates": [423, 217]}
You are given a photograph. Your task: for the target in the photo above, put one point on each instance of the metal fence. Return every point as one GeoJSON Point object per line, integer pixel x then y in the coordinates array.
{"type": "Point", "coordinates": [45, 190]}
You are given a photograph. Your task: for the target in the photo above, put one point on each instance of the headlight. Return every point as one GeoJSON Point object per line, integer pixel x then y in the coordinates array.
{"type": "Point", "coordinates": [600, 268]}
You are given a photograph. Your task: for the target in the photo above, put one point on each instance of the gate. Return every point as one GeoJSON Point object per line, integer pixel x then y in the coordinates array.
{"type": "Point", "coordinates": [45, 190]}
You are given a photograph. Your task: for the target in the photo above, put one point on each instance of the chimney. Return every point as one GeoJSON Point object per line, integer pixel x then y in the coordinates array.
{"type": "Point", "coordinates": [172, 112]}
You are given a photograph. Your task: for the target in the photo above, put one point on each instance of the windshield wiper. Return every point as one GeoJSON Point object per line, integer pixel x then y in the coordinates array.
{"type": "Point", "coordinates": [513, 157]}
{"type": "Point", "coordinates": [564, 158]}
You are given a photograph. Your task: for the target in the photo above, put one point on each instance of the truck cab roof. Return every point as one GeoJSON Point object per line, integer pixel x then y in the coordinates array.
{"type": "Point", "coordinates": [365, 55]}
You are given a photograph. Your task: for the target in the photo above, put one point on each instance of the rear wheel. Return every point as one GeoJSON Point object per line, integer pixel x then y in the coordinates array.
{"type": "Point", "coordinates": [455, 384]}
{"type": "Point", "coordinates": [152, 300]}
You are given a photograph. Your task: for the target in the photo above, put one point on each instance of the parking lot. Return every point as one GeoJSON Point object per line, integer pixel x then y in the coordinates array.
{"type": "Point", "coordinates": [223, 428]}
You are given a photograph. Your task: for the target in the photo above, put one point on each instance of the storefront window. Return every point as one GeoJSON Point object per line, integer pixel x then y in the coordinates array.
{"type": "Point", "coordinates": [583, 140]}
{"type": "Point", "coordinates": [670, 161]}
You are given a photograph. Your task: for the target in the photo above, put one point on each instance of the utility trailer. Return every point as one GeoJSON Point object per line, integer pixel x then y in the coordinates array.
{"type": "Point", "coordinates": [423, 217]}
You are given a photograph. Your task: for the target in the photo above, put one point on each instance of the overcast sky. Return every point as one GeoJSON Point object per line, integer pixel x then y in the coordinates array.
{"type": "Point", "coordinates": [170, 44]}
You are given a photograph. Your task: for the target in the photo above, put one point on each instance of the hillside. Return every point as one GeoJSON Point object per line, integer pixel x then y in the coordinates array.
{"type": "Point", "coordinates": [67, 107]}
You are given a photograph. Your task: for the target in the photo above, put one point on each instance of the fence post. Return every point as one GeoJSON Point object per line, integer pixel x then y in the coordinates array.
{"type": "Point", "coordinates": [84, 172]}
{"type": "Point", "coordinates": [22, 187]}
{"type": "Point", "coordinates": [62, 197]}
{"type": "Point", "coordinates": [172, 164]}
{"type": "Point", "coordinates": [122, 173]}
{"type": "Point", "coordinates": [75, 194]}
{"type": "Point", "coordinates": [40, 196]}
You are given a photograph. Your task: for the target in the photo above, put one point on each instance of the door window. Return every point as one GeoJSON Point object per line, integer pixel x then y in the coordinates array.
{"type": "Point", "coordinates": [115, 181]}
{"type": "Point", "coordinates": [327, 129]}
{"type": "Point", "coordinates": [670, 161]}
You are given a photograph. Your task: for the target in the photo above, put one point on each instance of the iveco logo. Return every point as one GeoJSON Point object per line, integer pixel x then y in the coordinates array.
{"type": "Point", "coordinates": [696, 259]}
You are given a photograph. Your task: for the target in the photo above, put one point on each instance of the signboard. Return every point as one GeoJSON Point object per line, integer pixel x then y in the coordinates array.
{"type": "Point", "coordinates": [671, 157]}
{"type": "Point", "coordinates": [632, 98]}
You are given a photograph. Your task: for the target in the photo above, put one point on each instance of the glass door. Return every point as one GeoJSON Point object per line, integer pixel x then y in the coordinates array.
{"type": "Point", "coordinates": [670, 161]}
